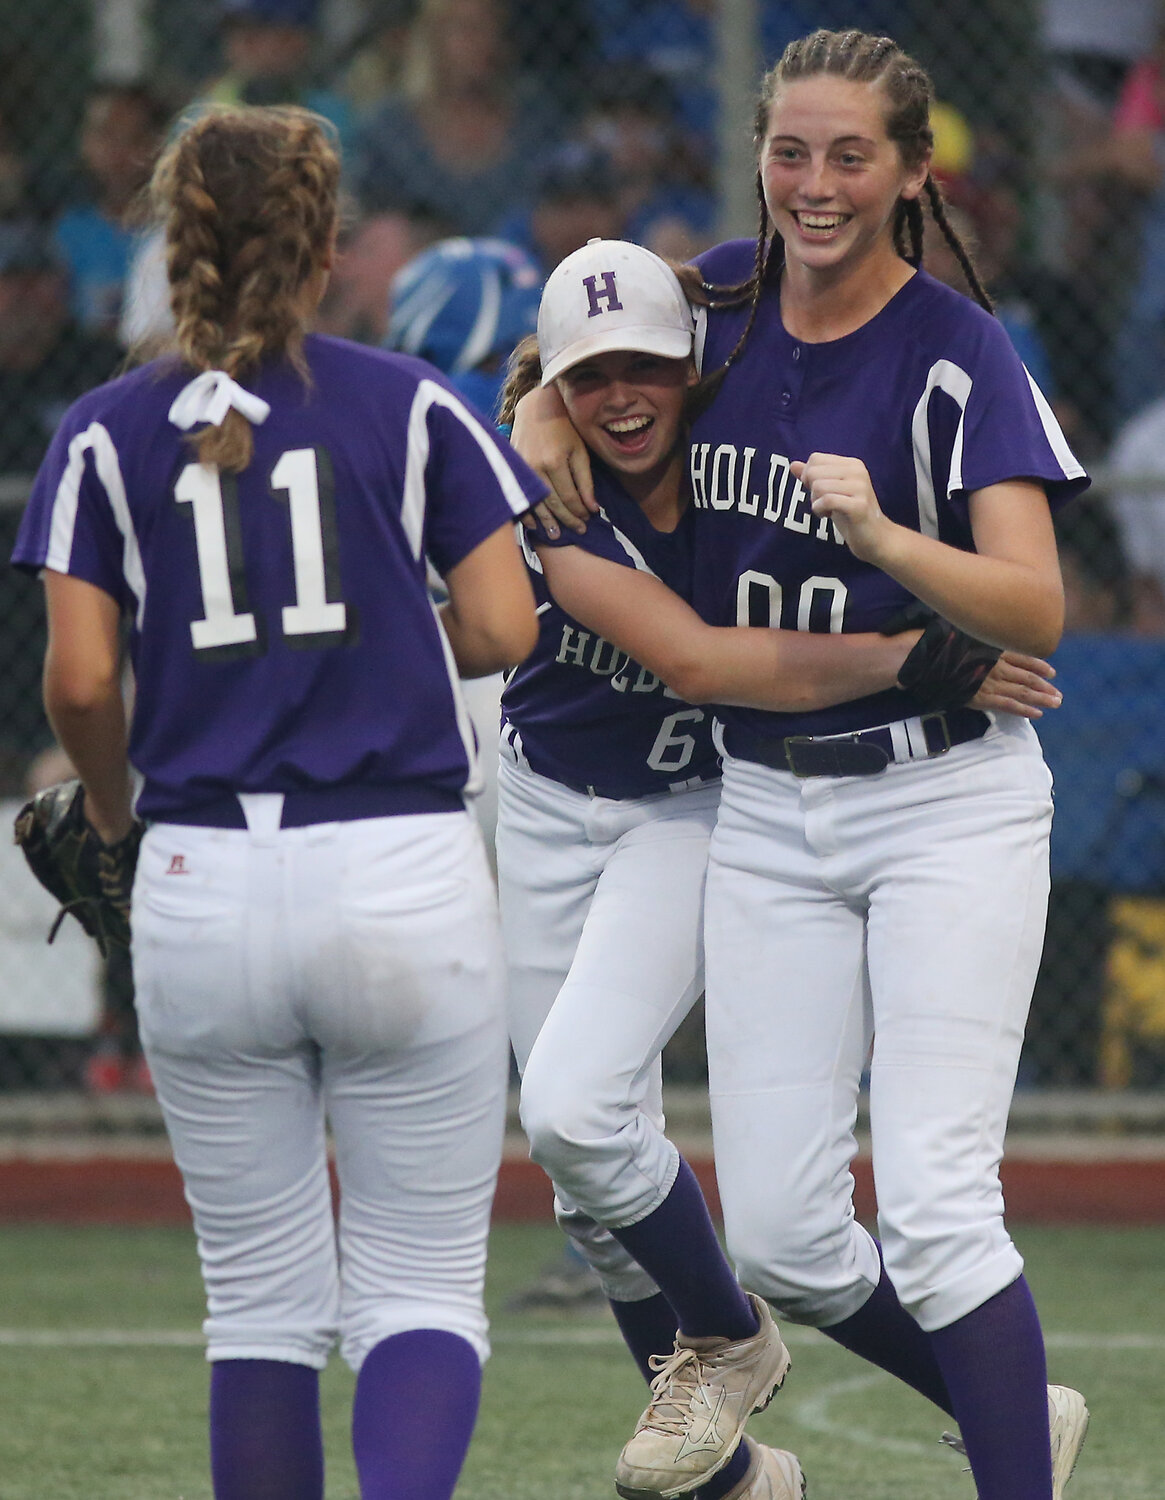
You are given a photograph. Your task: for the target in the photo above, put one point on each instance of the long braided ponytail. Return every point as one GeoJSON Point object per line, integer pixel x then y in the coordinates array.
{"type": "Point", "coordinates": [248, 197]}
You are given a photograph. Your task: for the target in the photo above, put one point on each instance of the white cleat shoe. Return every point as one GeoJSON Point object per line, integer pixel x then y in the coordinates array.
{"type": "Point", "coordinates": [1067, 1426]}
{"type": "Point", "coordinates": [773, 1474]}
{"type": "Point", "coordinates": [1068, 1417]}
{"type": "Point", "coordinates": [704, 1393]}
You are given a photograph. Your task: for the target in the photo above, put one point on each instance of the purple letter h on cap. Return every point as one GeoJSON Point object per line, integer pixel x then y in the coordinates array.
{"type": "Point", "coordinates": [608, 294]}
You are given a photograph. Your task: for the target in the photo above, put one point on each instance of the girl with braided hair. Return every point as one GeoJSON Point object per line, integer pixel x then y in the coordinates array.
{"type": "Point", "coordinates": [315, 933]}
{"type": "Point", "coordinates": [877, 877]}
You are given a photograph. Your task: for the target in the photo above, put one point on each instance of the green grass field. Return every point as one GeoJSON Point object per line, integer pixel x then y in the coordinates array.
{"type": "Point", "coordinates": [103, 1384]}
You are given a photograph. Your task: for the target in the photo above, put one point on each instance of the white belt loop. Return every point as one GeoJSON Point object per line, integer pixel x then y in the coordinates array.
{"type": "Point", "coordinates": [263, 812]}
{"type": "Point", "coordinates": [916, 737]}
{"type": "Point", "coordinates": [907, 738]}
{"type": "Point", "coordinates": [900, 740]}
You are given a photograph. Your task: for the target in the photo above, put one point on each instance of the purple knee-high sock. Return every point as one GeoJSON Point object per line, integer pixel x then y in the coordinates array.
{"type": "Point", "coordinates": [729, 1476]}
{"type": "Point", "coordinates": [265, 1441]}
{"type": "Point", "coordinates": [677, 1246]}
{"type": "Point", "coordinates": [994, 1366]}
{"type": "Point", "coordinates": [883, 1332]}
{"type": "Point", "coordinates": [416, 1404]}
{"type": "Point", "coordinates": [648, 1327]}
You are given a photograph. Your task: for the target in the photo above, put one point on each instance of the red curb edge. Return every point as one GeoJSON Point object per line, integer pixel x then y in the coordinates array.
{"type": "Point", "coordinates": [115, 1190]}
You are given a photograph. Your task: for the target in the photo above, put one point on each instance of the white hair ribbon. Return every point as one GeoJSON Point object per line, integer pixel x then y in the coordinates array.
{"type": "Point", "coordinates": [208, 398]}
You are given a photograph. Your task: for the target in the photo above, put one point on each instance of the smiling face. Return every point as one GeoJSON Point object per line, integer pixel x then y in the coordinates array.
{"type": "Point", "coordinates": [628, 408]}
{"type": "Point", "coordinates": [832, 176]}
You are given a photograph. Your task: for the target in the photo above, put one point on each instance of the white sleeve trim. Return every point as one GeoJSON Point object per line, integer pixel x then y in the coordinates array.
{"type": "Point", "coordinates": [1058, 443]}
{"type": "Point", "coordinates": [417, 448]}
{"type": "Point", "coordinates": [699, 337]}
{"type": "Point", "coordinates": [413, 501]}
{"type": "Point", "coordinates": [628, 546]}
{"type": "Point", "coordinates": [63, 522]}
{"type": "Point", "coordinates": [533, 561]}
{"type": "Point", "coordinates": [955, 382]}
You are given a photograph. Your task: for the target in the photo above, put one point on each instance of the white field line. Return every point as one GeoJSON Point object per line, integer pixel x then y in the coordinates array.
{"type": "Point", "coordinates": [814, 1412]}
{"type": "Point", "coordinates": [101, 1338]}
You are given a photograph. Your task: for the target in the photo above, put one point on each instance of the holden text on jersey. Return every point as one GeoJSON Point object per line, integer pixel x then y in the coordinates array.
{"type": "Point", "coordinates": [722, 479]}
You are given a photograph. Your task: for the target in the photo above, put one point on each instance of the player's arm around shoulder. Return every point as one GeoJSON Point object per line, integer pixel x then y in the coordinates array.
{"type": "Point", "coordinates": [490, 619]}
{"type": "Point", "coordinates": [637, 613]}
{"type": "Point", "coordinates": [544, 436]}
{"type": "Point", "coordinates": [780, 670]}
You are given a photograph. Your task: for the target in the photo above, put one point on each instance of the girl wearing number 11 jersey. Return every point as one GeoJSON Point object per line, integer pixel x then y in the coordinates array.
{"type": "Point", "coordinates": [314, 928]}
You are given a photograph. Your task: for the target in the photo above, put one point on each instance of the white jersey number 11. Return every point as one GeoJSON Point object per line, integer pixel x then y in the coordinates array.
{"type": "Point", "coordinates": [316, 618]}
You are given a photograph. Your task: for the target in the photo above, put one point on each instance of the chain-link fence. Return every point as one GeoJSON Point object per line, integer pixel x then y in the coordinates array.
{"type": "Point", "coordinates": [549, 124]}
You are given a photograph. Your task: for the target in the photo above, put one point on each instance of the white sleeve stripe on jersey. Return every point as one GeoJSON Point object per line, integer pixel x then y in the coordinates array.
{"type": "Point", "coordinates": [433, 580]}
{"type": "Point", "coordinates": [1052, 431]}
{"type": "Point", "coordinates": [63, 521]}
{"type": "Point", "coordinates": [628, 546]}
{"type": "Point", "coordinates": [428, 395]}
{"type": "Point", "coordinates": [412, 508]}
{"type": "Point", "coordinates": [700, 337]}
{"type": "Point", "coordinates": [65, 503]}
{"type": "Point", "coordinates": [956, 383]}
{"type": "Point", "coordinates": [505, 476]}
{"type": "Point", "coordinates": [533, 561]}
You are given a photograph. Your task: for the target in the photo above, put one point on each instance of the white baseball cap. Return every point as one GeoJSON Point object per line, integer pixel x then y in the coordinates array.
{"type": "Point", "coordinates": [611, 294]}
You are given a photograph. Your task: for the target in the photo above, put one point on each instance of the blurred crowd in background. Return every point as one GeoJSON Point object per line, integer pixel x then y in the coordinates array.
{"type": "Point", "coordinates": [544, 125]}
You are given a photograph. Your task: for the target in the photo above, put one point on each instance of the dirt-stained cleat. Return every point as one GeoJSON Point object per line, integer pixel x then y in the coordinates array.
{"type": "Point", "coordinates": [1068, 1417]}
{"type": "Point", "coordinates": [773, 1474]}
{"type": "Point", "coordinates": [703, 1394]}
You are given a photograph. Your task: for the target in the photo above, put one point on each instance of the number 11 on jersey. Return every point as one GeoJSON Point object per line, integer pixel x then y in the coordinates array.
{"type": "Point", "coordinates": [317, 618]}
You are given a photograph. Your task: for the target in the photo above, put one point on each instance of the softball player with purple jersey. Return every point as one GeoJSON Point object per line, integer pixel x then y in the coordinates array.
{"type": "Point", "coordinates": [608, 786]}
{"type": "Point", "coordinates": [877, 877]}
{"type": "Point", "coordinates": [608, 793]}
{"type": "Point", "coordinates": [892, 882]}
{"type": "Point", "coordinates": [314, 927]}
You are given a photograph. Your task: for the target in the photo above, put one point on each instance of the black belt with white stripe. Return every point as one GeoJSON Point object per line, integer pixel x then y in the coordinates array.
{"type": "Point", "coordinates": [862, 753]}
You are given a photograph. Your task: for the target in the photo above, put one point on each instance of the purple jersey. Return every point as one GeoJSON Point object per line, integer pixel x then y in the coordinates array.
{"type": "Point", "coordinates": [283, 637]}
{"type": "Point", "coordinates": [582, 712]}
{"type": "Point", "coordinates": [929, 394]}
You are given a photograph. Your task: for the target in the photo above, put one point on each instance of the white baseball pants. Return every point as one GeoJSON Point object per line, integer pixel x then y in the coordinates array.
{"type": "Point", "coordinates": [909, 907]}
{"type": "Point", "coordinates": [349, 970]}
{"type": "Point", "coordinates": [602, 906]}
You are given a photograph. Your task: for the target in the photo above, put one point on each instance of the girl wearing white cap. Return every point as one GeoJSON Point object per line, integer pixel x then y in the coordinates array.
{"type": "Point", "coordinates": [608, 792]}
